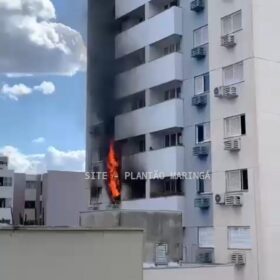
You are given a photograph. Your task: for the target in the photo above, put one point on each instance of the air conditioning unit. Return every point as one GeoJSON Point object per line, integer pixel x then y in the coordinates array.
{"type": "Point", "coordinates": [205, 257]}
{"type": "Point", "coordinates": [199, 100]}
{"type": "Point", "coordinates": [202, 202]}
{"type": "Point", "coordinates": [198, 52]}
{"type": "Point", "coordinates": [225, 91]}
{"type": "Point", "coordinates": [238, 258]}
{"type": "Point", "coordinates": [201, 151]}
{"type": "Point", "coordinates": [228, 41]}
{"type": "Point", "coordinates": [232, 144]}
{"type": "Point", "coordinates": [233, 200]}
{"type": "Point", "coordinates": [220, 199]}
{"type": "Point", "coordinates": [197, 5]}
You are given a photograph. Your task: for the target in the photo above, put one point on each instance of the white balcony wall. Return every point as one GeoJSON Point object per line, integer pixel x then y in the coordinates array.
{"type": "Point", "coordinates": [6, 214]}
{"type": "Point", "coordinates": [30, 194]}
{"type": "Point", "coordinates": [171, 203]}
{"type": "Point", "coordinates": [161, 116]}
{"type": "Point", "coordinates": [167, 161]}
{"type": "Point", "coordinates": [157, 72]}
{"type": "Point", "coordinates": [124, 7]}
{"type": "Point", "coordinates": [29, 214]}
{"type": "Point", "coordinates": [6, 192]}
{"type": "Point", "coordinates": [161, 26]}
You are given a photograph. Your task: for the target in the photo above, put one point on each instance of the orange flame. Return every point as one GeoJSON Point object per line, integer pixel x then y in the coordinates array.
{"type": "Point", "coordinates": [113, 168]}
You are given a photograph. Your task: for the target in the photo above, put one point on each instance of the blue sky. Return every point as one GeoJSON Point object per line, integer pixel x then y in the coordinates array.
{"type": "Point", "coordinates": [57, 118]}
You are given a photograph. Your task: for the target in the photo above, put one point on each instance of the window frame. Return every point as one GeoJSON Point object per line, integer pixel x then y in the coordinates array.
{"type": "Point", "coordinates": [204, 83]}
{"type": "Point", "coordinates": [234, 80]}
{"type": "Point", "coordinates": [194, 36]}
{"type": "Point", "coordinates": [241, 171]}
{"type": "Point", "coordinates": [231, 16]}
{"type": "Point", "coordinates": [239, 248]}
{"type": "Point", "coordinates": [242, 117]}
{"type": "Point", "coordinates": [196, 133]}
{"type": "Point", "coordinates": [198, 238]}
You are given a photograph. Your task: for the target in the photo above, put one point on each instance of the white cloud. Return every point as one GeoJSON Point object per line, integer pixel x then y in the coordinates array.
{"type": "Point", "coordinates": [39, 140]}
{"type": "Point", "coordinates": [19, 90]}
{"type": "Point", "coordinates": [46, 88]}
{"type": "Point", "coordinates": [32, 42]}
{"type": "Point", "coordinates": [16, 90]}
{"type": "Point", "coordinates": [53, 159]}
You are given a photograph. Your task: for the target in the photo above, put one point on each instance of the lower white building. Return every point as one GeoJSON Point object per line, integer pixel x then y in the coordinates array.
{"type": "Point", "coordinates": [6, 192]}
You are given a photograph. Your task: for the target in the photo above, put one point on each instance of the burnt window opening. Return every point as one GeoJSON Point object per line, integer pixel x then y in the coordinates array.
{"type": "Point", "coordinates": [135, 189]}
{"type": "Point", "coordinates": [29, 205]}
{"type": "Point", "coordinates": [166, 187]}
{"type": "Point", "coordinates": [95, 192]}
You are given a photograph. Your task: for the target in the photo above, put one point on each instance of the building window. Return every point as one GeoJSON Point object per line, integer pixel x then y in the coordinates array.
{"type": "Point", "coordinates": [138, 103]}
{"type": "Point", "coordinates": [29, 205]}
{"type": "Point", "coordinates": [232, 23]}
{"type": "Point", "coordinates": [201, 83]}
{"type": "Point", "coordinates": [200, 185]}
{"type": "Point", "coordinates": [172, 186]}
{"type": "Point", "coordinates": [31, 184]}
{"type": "Point", "coordinates": [239, 238]}
{"type": "Point", "coordinates": [206, 237]}
{"type": "Point", "coordinates": [6, 181]}
{"type": "Point", "coordinates": [203, 132]}
{"type": "Point", "coordinates": [176, 47]}
{"type": "Point", "coordinates": [172, 93]}
{"type": "Point", "coordinates": [237, 180]}
{"type": "Point", "coordinates": [142, 145]}
{"type": "Point", "coordinates": [200, 36]}
{"type": "Point", "coordinates": [233, 74]}
{"type": "Point", "coordinates": [235, 126]}
{"type": "Point", "coordinates": [173, 139]}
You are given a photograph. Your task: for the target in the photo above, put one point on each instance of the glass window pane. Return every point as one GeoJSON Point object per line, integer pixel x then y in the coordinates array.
{"type": "Point", "coordinates": [206, 237]}
{"type": "Point", "coordinates": [226, 25]}
{"type": "Point", "coordinates": [237, 21]}
{"type": "Point", "coordinates": [233, 180]}
{"type": "Point", "coordinates": [239, 238]}
{"type": "Point", "coordinates": [206, 83]}
{"type": "Point", "coordinates": [199, 84]}
{"type": "Point", "coordinates": [228, 75]}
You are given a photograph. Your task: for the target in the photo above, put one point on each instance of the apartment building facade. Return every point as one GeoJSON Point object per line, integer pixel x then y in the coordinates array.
{"type": "Point", "coordinates": [6, 192]}
{"type": "Point", "coordinates": [196, 91]}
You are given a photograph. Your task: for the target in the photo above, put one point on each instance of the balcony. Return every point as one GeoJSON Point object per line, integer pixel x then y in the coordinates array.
{"type": "Point", "coordinates": [5, 216]}
{"type": "Point", "coordinates": [124, 7]}
{"type": "Point", "coordinates": [168, 161]}
{"type": "Point", "coordinates": [150, 31]}
{"type": "Point", "coordinates": [30, 194]}
{"type": "Point", "coordinates": [170, 203]}
{"type": "Point", "coordinates": [157, 72]}
{"type": "Point", "coordinates": [168, 114]}
{"type": "Point", "coordinates": [6, 192]}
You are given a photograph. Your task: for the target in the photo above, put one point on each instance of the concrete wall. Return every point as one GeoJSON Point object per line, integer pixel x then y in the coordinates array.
{"type": "Point", "coordinates": [71, 254]}
{"type": "Point", "coordinates": [158, 227]}
{"type": "Point", "coordinates": [193, 273]}
{"type": "Point", "coordinates": [64, 196]}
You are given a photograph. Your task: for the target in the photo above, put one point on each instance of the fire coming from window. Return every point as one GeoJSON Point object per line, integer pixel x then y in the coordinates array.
{"type": "Point", "coordinates": [113, 168]}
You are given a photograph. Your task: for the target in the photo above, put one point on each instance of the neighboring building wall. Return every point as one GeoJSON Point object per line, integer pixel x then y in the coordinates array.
{"type": "Point", "coordinates": [191, 272]}
{"type": "Point", "coordinates": [159, 227]}
{"type": "Point", "coordinates": [64, 196]}
{"type": "Point", "coordinates": [19, 197]}
{"type": "Point", "coordinates": [6, 192]}
{"type": "Point", "coordinates": [71, 254]}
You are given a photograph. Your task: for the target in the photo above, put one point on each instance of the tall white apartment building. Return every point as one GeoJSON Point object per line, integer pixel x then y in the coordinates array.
{"type": "Point", "coordinates": [6, 192]}
{"type": "Point", "coordinates": [195, 88]}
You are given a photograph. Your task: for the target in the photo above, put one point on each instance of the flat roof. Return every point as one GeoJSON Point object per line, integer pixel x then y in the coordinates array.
{"type": "Point", "coordinates": [61, 228]}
